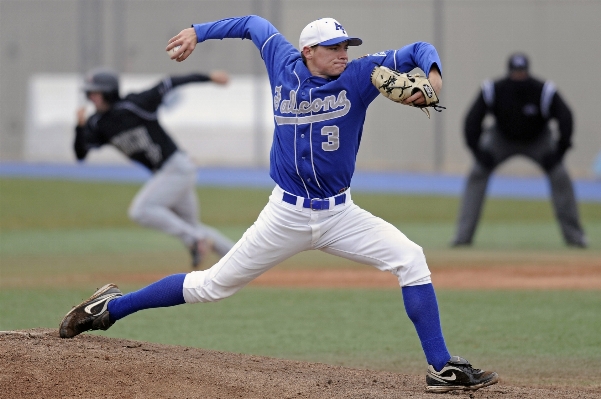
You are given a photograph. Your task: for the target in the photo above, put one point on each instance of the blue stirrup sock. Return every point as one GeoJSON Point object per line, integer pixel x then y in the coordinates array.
{"type": "Point", "coordinates": [163, 293]}
{"type": "Point", "coordinates": [422, 308]}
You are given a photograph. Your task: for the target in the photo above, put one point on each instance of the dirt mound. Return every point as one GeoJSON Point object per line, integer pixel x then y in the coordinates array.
{"type": "Point", "coordinates": [39, 364]}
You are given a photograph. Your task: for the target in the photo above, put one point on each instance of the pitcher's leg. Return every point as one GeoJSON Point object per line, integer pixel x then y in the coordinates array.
{"type": "Point", "coordinates": [360, 236]}
{"type": "Point", "coordinates": [163, 293]}
{"type": "Point", "coordinates": [364, 238]}
{"type": "Point", "coordinates": [277, 234]}
{"type": "Point", "coordinates": [421, 306]}
{"type": "Point", "coordinates": [565, 206]}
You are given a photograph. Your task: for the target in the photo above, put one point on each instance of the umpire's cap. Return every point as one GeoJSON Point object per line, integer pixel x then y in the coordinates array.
{"type": "Point", "coordinates": [102, 80]}
{"type": "Point", "coordinates": [517, 62]}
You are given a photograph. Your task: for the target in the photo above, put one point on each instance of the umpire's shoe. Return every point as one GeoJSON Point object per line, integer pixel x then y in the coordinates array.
{"type": "Point", "coordinates": [458, 374]}
{"type": "Point", "coordinates": [91, 314]}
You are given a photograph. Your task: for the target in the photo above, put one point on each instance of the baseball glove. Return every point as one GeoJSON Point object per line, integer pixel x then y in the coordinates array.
{"type": "Point", "coordinates": [398, 87]}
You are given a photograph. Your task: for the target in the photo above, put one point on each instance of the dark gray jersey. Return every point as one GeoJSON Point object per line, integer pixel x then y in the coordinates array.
{"type": "Point", "coordinates": [132, 126]}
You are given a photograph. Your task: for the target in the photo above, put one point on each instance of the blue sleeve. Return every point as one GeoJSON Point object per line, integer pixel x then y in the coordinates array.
{"type": "Point", "coordinates": [251, 27]}
{"type": "Point", "coordinates": [420, 54]}
{"type": "Point", "coordinates": [275, 49]}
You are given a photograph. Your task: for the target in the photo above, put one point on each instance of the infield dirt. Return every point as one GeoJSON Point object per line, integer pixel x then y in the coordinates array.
{"type": "Point", "coordinates": [39, 364]}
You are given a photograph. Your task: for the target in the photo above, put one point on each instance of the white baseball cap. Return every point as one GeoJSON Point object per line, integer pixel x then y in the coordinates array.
{"type": "Point", "coordinates": [325, 32]}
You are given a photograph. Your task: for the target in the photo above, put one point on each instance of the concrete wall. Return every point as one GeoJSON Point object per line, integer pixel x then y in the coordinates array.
{"type": "Point", "coordinates": [474, 38]}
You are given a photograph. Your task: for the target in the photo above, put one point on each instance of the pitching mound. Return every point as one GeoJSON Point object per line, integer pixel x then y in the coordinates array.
{"type": "Point", "coordinates": [39, 364]}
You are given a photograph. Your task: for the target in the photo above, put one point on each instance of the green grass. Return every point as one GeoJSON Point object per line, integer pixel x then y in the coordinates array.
{"type": "Point", "coordinates": [59, 240]}
{"type": "Point", "coordinates": [56, 204]}
{"type": "Point", "coordinates": [64, 204]}
{"type": "Point", "coordinates": [28, 208]}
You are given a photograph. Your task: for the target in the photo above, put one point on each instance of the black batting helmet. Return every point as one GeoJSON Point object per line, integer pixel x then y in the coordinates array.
{"type": "Point", "coordinates": [103, 80]}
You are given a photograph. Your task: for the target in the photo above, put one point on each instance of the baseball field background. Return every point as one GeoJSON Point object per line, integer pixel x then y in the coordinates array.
{"type": "Point", "coordinates": [518, 302]}
{"type": "Point", "coordinates": [60, 240]}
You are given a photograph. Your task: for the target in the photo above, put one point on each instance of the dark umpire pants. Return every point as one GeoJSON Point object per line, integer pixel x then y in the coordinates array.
{"type": "Point", "coordinates": [562, 192]}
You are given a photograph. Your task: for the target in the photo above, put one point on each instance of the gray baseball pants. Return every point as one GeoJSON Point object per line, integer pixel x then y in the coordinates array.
{"type": "Point", "coordinates": [562, 192]}
{"type": "Point", "coordinates": [168, 202]}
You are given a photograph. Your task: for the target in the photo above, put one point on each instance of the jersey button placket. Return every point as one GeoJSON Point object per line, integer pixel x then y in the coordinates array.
{"type": "Point", "coordinates": [305, 168]}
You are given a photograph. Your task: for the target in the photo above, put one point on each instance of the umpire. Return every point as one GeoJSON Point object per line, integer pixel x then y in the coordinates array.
{"type": "Point", "coordinates": [522, 107]}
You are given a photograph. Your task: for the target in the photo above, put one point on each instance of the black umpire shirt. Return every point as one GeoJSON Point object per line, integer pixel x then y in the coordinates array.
{"type": "Point", "coordinates": [522, 110]}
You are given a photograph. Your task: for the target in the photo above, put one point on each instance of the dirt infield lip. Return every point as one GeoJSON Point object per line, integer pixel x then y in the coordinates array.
{"type": "Point", "coordinates": [529, 277]}
{"type": "Point", "coordinates": [526, 278]}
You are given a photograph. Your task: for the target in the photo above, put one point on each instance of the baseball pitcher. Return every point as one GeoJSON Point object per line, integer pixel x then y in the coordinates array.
{"type": "Point", "coordinates": [320, 100]}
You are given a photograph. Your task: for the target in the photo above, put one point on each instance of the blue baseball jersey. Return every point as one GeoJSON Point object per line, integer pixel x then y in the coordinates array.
{"type": "Point", "coordinates": [318, 121]}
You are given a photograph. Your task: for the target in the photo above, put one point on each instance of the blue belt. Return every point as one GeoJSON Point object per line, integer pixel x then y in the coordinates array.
{"type": "Point", "coordinates": [315, 204]}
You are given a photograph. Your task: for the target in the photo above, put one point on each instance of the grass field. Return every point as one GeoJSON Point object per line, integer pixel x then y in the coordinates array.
{"type": "Point", "coordinates": [59, 240]}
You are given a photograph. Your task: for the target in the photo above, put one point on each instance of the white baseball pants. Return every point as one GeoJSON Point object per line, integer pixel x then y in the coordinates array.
{"type": "Point", "coordinates": [283, 230]}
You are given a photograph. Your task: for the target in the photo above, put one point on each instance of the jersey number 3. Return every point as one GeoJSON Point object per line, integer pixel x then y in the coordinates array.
{"type": "Point", "coordinates": [333, 138]}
